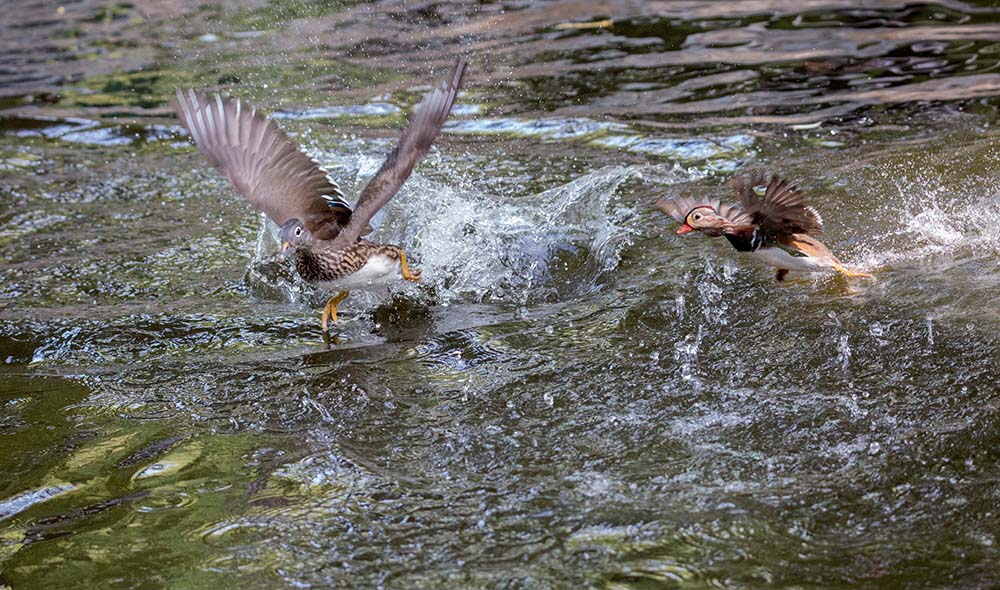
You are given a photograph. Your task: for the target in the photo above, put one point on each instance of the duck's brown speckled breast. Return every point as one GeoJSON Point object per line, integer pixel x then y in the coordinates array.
{"type": "Point", "coordinates": [317, 264]}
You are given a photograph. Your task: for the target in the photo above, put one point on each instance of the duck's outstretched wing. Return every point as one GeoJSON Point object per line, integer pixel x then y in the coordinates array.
{"type": "Point", "coordinates": [264, 165]}
{"type": "Point", "coordinates": [679, 207]}
{"type": "Point", "coordinates": [428, 117]}
{"type": "Point", "coordinates": [782, 211]}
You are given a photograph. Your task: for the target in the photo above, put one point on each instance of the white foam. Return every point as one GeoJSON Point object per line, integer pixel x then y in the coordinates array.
{"type": "Point", "coordinates": [475, 246]}
{"type": "Point", "coordinates": [934, 221]}
{"type": "Point", "coordinates": [483, 246]}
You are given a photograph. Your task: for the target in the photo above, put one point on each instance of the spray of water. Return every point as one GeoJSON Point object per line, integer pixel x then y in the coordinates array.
{"type": "Point", "coordinates": [474, 246]}
{"type": "Point", "coordinates": [933, 221]}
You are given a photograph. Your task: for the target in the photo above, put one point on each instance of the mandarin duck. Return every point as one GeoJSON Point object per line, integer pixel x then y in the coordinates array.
{"type": "Point", "coordinates": [776, 229]}
{"type": "Point", "coordinates": [317, 224]}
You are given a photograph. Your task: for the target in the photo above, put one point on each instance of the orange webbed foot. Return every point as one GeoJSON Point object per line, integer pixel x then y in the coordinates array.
{"type": "Point", "coordinates": [408, 274]}
{"type": "Point", "coordinates": [852, 274]}
{"type": "Point", "coordinates": [330, 310]}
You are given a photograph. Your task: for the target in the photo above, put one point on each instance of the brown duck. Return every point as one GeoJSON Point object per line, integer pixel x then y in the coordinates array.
{"type": "Point", "coordinates": [776, 229]}
{"type": "Point", "coordinates": [317, 224]}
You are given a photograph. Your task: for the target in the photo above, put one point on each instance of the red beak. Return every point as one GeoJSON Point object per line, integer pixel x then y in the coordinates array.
{"type": "Point", "coordinates": [684, 229]}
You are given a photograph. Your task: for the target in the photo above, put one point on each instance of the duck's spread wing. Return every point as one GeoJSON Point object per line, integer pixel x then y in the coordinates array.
{"type": "Point", "coordinates": [733, 213]}
{"type": "Point", "coordinates": [264, 165]}
{"type": "Point", "coordinates": [782, 211]}
{"type": "Point", "coordinates": [428, 118]}
{"type": "Point", "coordinates": [679, 207]}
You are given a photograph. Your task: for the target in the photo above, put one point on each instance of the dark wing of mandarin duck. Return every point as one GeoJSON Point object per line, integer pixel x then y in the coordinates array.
{"type": "Point", "coordinates": [781, 212]}
{"type": "Point", "coordinates": [428, 118]}
{"type": "Point", "coordinates": [264, 165]}
{"type": "Point", "coordinates": [783, 226]}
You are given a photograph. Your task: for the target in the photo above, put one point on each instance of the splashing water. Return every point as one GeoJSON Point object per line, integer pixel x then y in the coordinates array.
{"type": "Point", "coordinates": [481, 247]}
{"type": "Point", "coordinates": [844, 351]}
{"type": "Point", "coordinates": [686, 355]}
{"type": "Point", "coordinates": [939, 223]}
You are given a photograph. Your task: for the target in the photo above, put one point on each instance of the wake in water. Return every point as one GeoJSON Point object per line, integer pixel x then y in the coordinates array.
{"type": "Point", "coordinates": [480, 247]}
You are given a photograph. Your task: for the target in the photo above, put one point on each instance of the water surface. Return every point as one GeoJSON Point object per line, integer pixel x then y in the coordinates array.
{"type": "Point", "coordinates": [574, 396]}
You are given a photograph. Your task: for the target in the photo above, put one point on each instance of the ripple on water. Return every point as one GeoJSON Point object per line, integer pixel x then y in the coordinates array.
{"type": "Point", "coordinates": [722, 153]}
{"type": "Point", "coordinates": [85, 131]}
{"type": "Point", "coordinates": [164, 501]}
{"type": "Point", "coordinates": [129, 337]}
{"type": "Point", "coordinates": [25, 500]}
{"type": "Point", "coordinates": [372, 109]}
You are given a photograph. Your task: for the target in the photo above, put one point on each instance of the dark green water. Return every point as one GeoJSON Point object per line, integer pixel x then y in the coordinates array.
{"type": "Point", "coordinates": [574, 396]}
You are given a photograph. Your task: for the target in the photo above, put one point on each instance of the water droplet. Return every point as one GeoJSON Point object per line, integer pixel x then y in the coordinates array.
{"type": "Point", "coordinates": [844, 352]}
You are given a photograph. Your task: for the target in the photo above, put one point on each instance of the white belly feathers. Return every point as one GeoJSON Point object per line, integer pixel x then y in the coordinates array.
{"type": "Point", "coordinates": [378, 271]}
{"type": "Point", "coordinates": [779, 258]}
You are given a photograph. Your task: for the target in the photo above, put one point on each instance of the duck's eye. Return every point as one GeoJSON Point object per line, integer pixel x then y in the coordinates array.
{"type": "Point", "coordinates": [298, 232]}
{"type": "Point", "coordinates": [697, 216]}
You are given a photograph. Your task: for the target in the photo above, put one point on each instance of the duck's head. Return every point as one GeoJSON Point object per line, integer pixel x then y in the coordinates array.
{"type": "Point", "coordinates": [293, 235]}
{"type": "Point", "coordinates": [703, 218]}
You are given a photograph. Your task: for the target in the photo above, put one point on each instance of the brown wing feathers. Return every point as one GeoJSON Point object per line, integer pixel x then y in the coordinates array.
{"type": "Point", "coordinates": [782, 211]}
{"type": "Point", "coordinates": [264, 165]}
{"type": "Point", "coordinates": [428, 118]}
